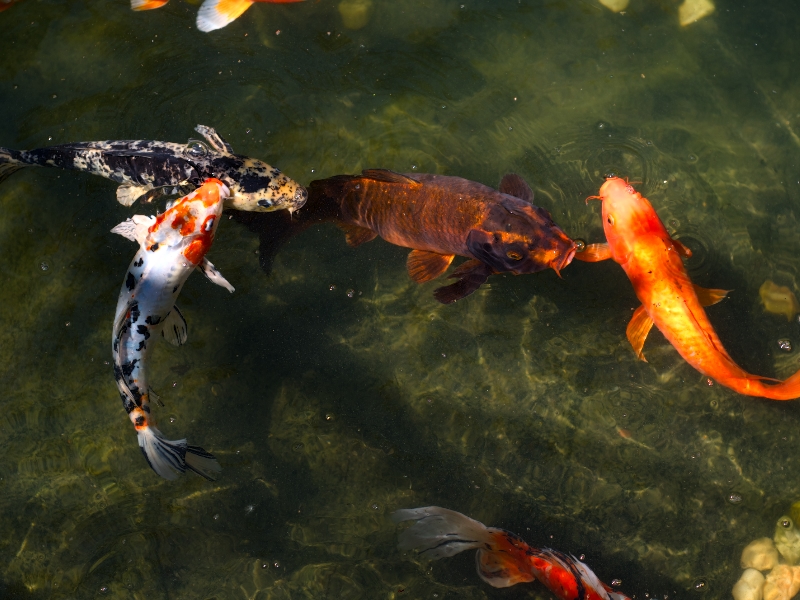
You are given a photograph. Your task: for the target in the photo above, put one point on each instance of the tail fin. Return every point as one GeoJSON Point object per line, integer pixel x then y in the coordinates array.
{"type": "Point", "coordinates": [785, 390]}
{"type": "Point", "coordinates": [439, 533]}
{"type": "Point", "coordinates": [171, 458]}
{"type": "Point", "coordinates": [147, 4]}
{"type": "Point", "coordinates": [216, 14]}
{"type": "Point", "coordinates": [9, 163]}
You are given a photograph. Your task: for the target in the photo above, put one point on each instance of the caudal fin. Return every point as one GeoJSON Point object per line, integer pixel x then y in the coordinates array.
{"type": "Point", "coordinates": [147, 4]}
{"type": "Point", "coordinates": [9, 163]}
{"type": "Point", "coordinates": [502, 557]}
{"type": "Point", "coordinates": [171, 458]}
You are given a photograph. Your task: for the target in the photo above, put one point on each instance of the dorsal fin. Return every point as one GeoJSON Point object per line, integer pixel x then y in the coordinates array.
{"type": "Point", "coordinates": [514, 185]}
{"type": "Point", "coordinates": [214, 139]}
{"type": "Point", "coordinates": [387, 176]}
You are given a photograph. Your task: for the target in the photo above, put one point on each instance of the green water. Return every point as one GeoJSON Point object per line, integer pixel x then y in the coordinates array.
{"type": "Point", "coordinates": [327, 411]}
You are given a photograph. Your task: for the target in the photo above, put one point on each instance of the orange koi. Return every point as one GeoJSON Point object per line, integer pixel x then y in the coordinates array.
{"type": "Point", "coordinates": [213, 14]}
{"type": "Point", "coordinates": [640, 244]}
{"type": "Point", "coordinates": [503, 558]}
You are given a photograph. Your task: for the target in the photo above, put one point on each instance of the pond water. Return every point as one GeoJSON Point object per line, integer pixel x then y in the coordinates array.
{"type": "Point", "coordinates": [335, 390]}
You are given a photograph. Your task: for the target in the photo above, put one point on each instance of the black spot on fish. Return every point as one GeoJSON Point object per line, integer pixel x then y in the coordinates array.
{"type": "Point", "coordinates": [128, 367]}
{"type": "Point", "coordinates": [117, 373]}
{"type": "Point", "coordinates": [130, 281]}
{"type": "Point", "coordinates": [134, 312]}
{"type": "Point", "coordinates": [139, 262]}
{"type": "Point", "coordinates": [152, 320]}
{"type": "Point", "coordinates": [139, 421]}
{"type": "Point", "coordinates": [154, 247]}
{"type": "Point", "coordinates": [142, 330]}
{"type": "Point", "coordinates": [146, 408]}
{"type": "Point", "coordinates": [252, 182]}
{"type": "Point", "coordinates": [175, 289]}
{"type": "Point", "coordinates": [142, 346]}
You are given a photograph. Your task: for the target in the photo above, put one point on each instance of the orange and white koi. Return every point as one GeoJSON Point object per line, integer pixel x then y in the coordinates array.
{"type": "Point", "coordinates": [640, 244]}
{"type": "Point", "coordinates": [171, 246]}
{"type": "Point", "coordinates": [503, 558]}
{"type": "Point", "coordinates": [213, 14]}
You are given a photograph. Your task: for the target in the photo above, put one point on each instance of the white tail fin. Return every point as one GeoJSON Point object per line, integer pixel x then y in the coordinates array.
{"type": "Point", "coordinates": [171, 458]}
{"type": "Point", "coordinates": [216, 14]}
{"type": "Point", "coordinates": [440, 533]}
{"type": "Point", "coordinates": [9, 163]}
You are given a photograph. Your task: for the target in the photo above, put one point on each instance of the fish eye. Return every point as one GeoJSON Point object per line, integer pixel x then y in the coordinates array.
{"type": "Point", "coordinates": [209, 224]}
{"type": "Point", "coordinates": [514, 255]}
{"type": "Point", "coordinates": [786, 523]}
{"type": "Point", "coordinates": [610, 220]}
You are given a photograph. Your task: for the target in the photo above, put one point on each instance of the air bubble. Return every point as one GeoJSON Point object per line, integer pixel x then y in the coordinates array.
{"type": "Point", "coordinates": [785, 345]}
{"type": "Point", "coordinates": [332, 288]}
{"type": "Point", "coordinates": [709, 382]}
{"type": "Point", "coordinates": [329, 417]}
{"type": "Point", "coordinates": [172, 419]}
{"type": "Point", "coordinates": [701, 585]}
{"type": "Point", "coordinates": [297, 447]}
{"type": "Point", "coordinates": [616, 582]}
{"type": "Point", "coordinates": [580, 245]}
{"type": "Point", "coordinates": [216, 517]}
{"type": "Point", "coordinates": [374, 506]}
{"type": "Point", "coordinates": [67, 324]}
{"type": "Point", "coordinates": [351, 293]}
{"type": "Point", "coordinates": [44, 266]}
{"type": "Point", "coordinates": [734, 498]}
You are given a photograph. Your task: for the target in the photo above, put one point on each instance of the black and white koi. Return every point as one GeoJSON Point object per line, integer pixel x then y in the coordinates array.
{"type": "Point", "coordinates": [171, 246]}
{"type": "Point", "coordinates": [147, 169]}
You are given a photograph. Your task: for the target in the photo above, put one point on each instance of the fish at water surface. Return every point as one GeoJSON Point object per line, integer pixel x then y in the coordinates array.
{"type": "Point", "coordinates": [439, 217]}
{"type": "Point", "coordinates": [171, 247]}
{"type": "Point", "coordinates": [213, 14]}
{"type": "Point", "coordinates": [146, 169]}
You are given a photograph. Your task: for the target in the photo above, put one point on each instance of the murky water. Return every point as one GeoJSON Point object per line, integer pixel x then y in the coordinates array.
{"type": "Point", "coordinates": [335, 390]}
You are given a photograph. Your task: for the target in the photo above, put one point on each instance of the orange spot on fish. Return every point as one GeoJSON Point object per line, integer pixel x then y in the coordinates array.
{"type": "Point", "coordinates": [624, 433]}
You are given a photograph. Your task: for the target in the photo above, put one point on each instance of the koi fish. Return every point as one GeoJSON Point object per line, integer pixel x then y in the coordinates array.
{"type": "Point", "coordinates": [213, 14]}
{"type": "Point", "coordinates": [147, 169]}
{"type": "Point", "coordinates": [171, 246]}
{"type": "Point", "coordinates": [439, 217]}
{"type": "Point", "coordinates": [639, 242]}
{"type": "Point", "coordinates": [503, 558]}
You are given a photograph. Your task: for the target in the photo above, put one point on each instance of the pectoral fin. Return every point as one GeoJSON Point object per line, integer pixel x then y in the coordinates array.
{"type": "Point", "coordinates": [708, 296]}
{"type": "Point", "coordinates": [214, 139]}
{"type": "Point", "coordinates": [214, 276]}
{"type": "Point", "coordinates": [514, 185]}
{"type": "Point", "coordinates": [127, 194]}
{"type": "Point", "coordinates": [135, 228]}
{"type": "Point", "coordinates": [175, 330]}
{"type": "Point", "coordinates": [637, 331]}
{"type": "Point", "coordinates": [682, 250]}
{"type": "Point", "coordinates": [424, 266]}
{"type": "Point", "coordinates": [357, 235]}
{"type": "Point", "coordinates": [471, 275]}
{"type": "Point", "coordinates": [594, 253]}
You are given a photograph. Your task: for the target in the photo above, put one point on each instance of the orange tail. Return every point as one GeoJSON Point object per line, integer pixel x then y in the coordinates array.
{"type": "Point", "coordinates": [440, 533]}
{"type": "Point", "coordinates": [785, 390]}
{"type": "Point", "coordinates": [147, 4]}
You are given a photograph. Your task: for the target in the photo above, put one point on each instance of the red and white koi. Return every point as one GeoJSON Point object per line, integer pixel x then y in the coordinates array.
{"type": "Point", "coordinates": [503, 558]}
{"type": "Point", "coordinates": [171, 246]}
{"type": "Point", "coordinates": [213, 14]}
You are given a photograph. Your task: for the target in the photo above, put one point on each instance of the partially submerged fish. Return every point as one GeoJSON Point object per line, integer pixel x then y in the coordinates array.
{"type": "Point", "coordinates": [439, 217]}
{"type": "Point", "coordinates": [146, 169]}
{"type": "Point", "coordinates": [171, 246]}
{"type": "Point", "coordinates": [778, 299]}
{"type": "Point", "coordinates": [503, 558]}
{"type": "Point", "coordinates": [639, 242]}
{"type": "Point", "coordinates": [213, 14]}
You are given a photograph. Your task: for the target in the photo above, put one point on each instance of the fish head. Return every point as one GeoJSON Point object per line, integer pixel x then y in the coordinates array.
{"type": "Point", "coordinates": [190, 223]}
{"type": "Point", "coordinates": [258, 187]}
{"type": "Point", "coordinates": [520, 238]}
{"type": "Point", "coordinates": [627, 215]}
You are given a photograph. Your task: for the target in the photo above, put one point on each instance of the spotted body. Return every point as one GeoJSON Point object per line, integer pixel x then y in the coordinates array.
{"type": "Point", "coordinates": [171, 246]}
{"type": "Point", "coordinates": [503, 558]}
{"type": "Point", "coordinates": [146, 169]}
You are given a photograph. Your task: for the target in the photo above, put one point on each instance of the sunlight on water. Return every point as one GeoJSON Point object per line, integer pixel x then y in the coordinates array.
{"type": "Point", "coordinates": [335, 390]}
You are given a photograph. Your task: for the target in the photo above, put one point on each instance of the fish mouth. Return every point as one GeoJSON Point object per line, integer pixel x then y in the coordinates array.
{"type": "Point", "coordinates": [300, 197]}
{"type": "Point", "coordinates": [566, 259]}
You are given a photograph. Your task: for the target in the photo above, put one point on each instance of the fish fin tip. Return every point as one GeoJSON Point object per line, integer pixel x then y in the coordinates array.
{"type": "Point", "coordinates": [425, 266]}
{"type": "Point", "coordinates": [514, 185]}
{"type": "Point", "coordinates": [681, 249]}
{"type": "Point", "coordinates": [213, 275]}
{"type": "Point", "coordinates": [594, 253]}
{"type": "Point", "coordinates": [710, 296]}
{"type": "Point", "coordinates": [214, 139]}
{"type": "Point", "coordinates": [171, 458]}
{"type": "Point", "coordinates": [128, 194]}
{"type": "Point", "coordinates": [9, 164]}
{"type": "Point", "coordinates": [147, 4]}
{"type": "Point", "coordinates": [387, 176]}
{"type": "Point", "coordinates": [356, 235]}
{"type": "Point", "coordinates": [637, 330]}
{"type": "Point", "coordinates": [499, 569]}
{"type": "Point", "coordinates": [175, 329]}
{"type": "Point", "coordinates": [201, 462]}
{"type": "Point", "coordinates": [438, 532]}
{"type": "Point", "coordinates": [216, 14]}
